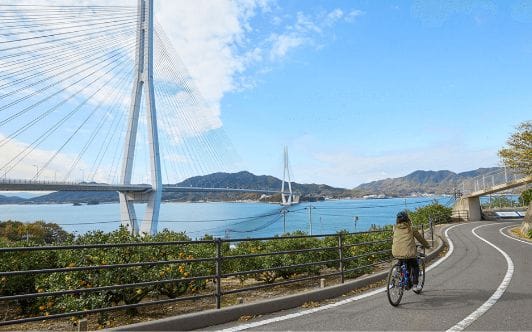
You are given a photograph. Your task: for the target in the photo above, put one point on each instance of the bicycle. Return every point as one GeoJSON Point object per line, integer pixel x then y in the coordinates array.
{"type": "Point", "coordinates": [399, 279]}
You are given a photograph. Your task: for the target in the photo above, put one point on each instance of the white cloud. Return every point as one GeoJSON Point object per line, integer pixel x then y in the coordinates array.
{"type": "Point", "coordinates": [281, 44]}
{"type": "Point", "coordinates": [306, 30]}
{"type": "Point", "coordinates": [28, 167]}
{"type": "Point", "coordinates": [348, 169]}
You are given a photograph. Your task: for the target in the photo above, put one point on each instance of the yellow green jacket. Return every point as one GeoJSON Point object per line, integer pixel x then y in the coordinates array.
{"type": "Point", "coordinates": [404, 245]}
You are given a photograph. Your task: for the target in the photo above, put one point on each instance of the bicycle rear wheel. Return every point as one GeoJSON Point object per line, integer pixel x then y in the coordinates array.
{"type": "Point", "coordinates": [421, 280]}
{"type": "Point", "coordinates": [394, 287]}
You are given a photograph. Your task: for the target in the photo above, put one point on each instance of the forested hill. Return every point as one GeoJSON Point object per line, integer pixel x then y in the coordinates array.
{"type": "Point", "coordinates": [432, 182]}
{"type": "Point", "coordinates": [248, 180]}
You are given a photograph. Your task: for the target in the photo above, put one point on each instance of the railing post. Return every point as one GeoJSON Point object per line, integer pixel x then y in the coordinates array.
{"type": "Point", "coordinates": [218, 243]}
{"type": "Point", "coordinates": [341, 257]}
{"type": "Point", "coordinates": [431, 225]}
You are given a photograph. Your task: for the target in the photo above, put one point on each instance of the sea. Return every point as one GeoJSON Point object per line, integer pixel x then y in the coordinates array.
{"type": "Point", "coordinates": [230, 219]}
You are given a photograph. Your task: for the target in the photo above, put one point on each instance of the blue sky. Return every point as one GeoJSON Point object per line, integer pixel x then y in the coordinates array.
{"type": "Point", "coordinates": [357, 90]}
{"type": "Point", "coordinates": [402, 86]}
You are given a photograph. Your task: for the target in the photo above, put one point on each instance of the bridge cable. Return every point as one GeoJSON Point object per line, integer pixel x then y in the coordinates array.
{"type": "Point", "coordinates": [39, 140]}
{"type": "Point", "coordinates": [89, 116]}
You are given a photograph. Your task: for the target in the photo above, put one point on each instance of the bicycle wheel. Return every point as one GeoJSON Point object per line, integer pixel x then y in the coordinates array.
{"type": "Point", "coordinates": [421, 280]}
{"type": "Point", "coordinates": [394, 288]}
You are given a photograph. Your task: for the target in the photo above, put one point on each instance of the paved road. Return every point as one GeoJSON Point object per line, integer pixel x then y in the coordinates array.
{"type": "Point", "coordinates": [454, 289]}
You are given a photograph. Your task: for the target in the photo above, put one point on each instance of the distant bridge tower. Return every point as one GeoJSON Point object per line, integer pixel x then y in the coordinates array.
{"type": "Point", "coordinates": [143, 83]}
{"type": "Point", "coordinates": [286, 197]}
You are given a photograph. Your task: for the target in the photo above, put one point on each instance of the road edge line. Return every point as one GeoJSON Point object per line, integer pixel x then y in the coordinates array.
{"type": "Point", "coordinates": [464, 323]}
{"type": "Point", "coordinates": [339, 303]}
{"type": "Point", "coordinates": [511, 237]}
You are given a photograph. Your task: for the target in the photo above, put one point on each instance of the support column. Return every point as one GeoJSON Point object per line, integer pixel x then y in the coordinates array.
{"type": "Point", "coordinates": [143, 83]}
{"type": "Point", "coordinates": [471, 205]}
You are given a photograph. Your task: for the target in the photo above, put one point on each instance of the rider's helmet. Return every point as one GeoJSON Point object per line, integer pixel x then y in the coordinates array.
{"type": "Point", "coordinates": [402, 216]}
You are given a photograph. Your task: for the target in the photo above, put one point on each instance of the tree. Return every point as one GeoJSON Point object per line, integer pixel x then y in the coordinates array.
{"type": "Point", "coordinates": [518, 155]}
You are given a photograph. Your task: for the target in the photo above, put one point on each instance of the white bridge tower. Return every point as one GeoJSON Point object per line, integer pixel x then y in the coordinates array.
{"type": "Point", "coordinates": [143, 83]}
{"type": "Point", "coordinates": [286, 197]}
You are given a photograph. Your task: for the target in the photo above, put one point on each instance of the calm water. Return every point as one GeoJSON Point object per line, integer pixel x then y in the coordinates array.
{"type": "Point", "coordinates": [228, 219]}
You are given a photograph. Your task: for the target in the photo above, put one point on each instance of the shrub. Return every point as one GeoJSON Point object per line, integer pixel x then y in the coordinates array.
{"type": "Point", "coordinates": [38, 232]}
{"type": "Point", "coordinates": [248, 263]}
{"type": "Point", "coordinates": [525, 197]}
{"type": "Point", "coordinates": [364, 251]}
{"type": "Point", "coordinates": [277, 261]}
{"type": "Point", "coordinates": [436, 212]}
{"type": "Point", "coordinates": [125, 275]}
{"type": "Point", "coordinates": [294, 258]}
{"type": "Point", "coordinates": [26, 283]}
{"type": "Point", "coordinates": [182, 270]}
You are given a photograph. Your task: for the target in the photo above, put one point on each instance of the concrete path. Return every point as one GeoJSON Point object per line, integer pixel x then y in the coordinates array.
{"type": "Point", "coordinates": [456, 289]}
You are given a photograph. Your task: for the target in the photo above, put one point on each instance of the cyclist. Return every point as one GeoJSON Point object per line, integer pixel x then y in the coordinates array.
{"type": "Point", "coordinates": [404, 245]}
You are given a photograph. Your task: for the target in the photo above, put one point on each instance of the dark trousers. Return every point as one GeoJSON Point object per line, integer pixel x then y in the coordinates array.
{"type": "Point", "coordinates": [413, 267]}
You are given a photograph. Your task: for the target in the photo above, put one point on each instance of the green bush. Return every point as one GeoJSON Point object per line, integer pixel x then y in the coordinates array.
{"type": "Point", "coordinates": [525, 197]}
{"type": "Point", "coordinates": [364, 251]}
{"type": "Point", "coordinates": [19, 261]}
{"type": "Point", "coordinates": [529, 234]}
{"type": "Point", "coordinates": [249, 263]}
{"type": "Point", "coordinates": [294, 258]}
{"type": "Point", "coordinates": [439, 214]}
{"type": "Point", "coordinates": [126, 275]}
{"type": "Point", "coordinates": [276, 261]}
{"type": "Point", "coordinates": [182, 270]}
{"type": "Point", "coordinates": [37, 232]}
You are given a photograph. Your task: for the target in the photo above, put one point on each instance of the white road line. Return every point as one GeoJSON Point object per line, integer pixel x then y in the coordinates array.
{"type": "Point", "coordinates": [511, 237]}
{"type": "Point", "coordinates": [498, 293]}
{"type": "Point", "coordinates": [339, 303]}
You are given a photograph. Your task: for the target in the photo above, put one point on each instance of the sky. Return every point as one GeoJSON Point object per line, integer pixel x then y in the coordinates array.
{"type": "Point", "coordinates": [357, 90]}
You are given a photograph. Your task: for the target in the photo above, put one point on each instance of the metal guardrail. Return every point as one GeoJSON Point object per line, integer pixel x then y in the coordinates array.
{"type": "Point", "coordinates": [487, 181]}
{"type": "Point", "coordinates": [338, 261]}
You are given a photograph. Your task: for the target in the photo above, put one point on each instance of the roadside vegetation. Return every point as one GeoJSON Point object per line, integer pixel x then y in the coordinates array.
{"type": "Point", "coordinates": [362, 252]}
{"type": "Point", "coordinates": [518, 155]}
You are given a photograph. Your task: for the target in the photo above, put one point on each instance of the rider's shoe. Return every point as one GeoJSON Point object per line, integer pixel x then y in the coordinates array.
{"type": "Point", "coordinates": [417, 288]}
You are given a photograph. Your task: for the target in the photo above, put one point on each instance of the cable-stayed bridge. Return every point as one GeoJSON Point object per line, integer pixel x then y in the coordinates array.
{"type": "Point", "coordinates": [96, 98]}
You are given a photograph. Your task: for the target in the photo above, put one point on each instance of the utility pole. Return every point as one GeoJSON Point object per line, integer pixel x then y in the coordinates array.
{"type": "Point", "coordinates": [310, 207]}
{"type": "Point", "coordinates": [283, 212]}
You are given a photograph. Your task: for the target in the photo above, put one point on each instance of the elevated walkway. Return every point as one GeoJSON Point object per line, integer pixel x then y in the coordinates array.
{"type": "Point", "coordinates": [469, 204]}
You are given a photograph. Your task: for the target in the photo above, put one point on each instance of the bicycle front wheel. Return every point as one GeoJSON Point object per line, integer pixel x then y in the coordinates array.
{"type": "Point", "coordinates": [394, 287]}
{"type": "Point", "coordinates": [421, 280]}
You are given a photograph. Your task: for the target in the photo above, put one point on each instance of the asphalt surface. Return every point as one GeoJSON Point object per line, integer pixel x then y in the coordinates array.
{"type": "Point", "coordinates": [453, 290]}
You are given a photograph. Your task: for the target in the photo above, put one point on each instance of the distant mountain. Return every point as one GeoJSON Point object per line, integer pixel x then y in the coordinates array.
{"type": "Point", "coordinates": [431, 182]}
{"type": "Point", "coordinates": [75, 197]}
{"type": "Point", "coordinates": [11, 199]}
{"type": "Point", "coordinates": [247, 180]}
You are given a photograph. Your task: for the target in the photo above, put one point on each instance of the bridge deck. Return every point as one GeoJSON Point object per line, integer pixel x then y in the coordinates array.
{"type": "Point", "coordinates": [21, 185]}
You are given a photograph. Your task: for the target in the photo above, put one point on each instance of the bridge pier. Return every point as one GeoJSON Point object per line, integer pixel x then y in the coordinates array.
{"type": "Point", "coordinates": [471, 205]}
{"type": "Point", "coordinates": [151, 215]}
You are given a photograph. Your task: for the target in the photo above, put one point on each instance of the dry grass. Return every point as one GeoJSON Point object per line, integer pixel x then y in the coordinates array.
{"type": "Point", "coordinates": [517, 232]}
